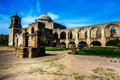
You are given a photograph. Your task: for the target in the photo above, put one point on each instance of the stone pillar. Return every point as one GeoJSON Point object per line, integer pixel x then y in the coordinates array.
{"type": "Point", "coordinates": [103, 39]}
{"type": "Point", "coordinates": [88, 38]}
{"type": "Point", "coordinates": [25, 39]}
{"type": "Point", "coordinates": [76, 37]}
{"type": "Point", "coordinates": [67, 41]}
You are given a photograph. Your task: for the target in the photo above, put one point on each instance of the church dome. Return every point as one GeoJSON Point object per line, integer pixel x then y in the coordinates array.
{"type": "Point", "coordinates": [45, 17]}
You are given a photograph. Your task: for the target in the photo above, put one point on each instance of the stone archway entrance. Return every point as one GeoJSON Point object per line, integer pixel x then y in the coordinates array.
{"type": "Point", "coordinates": [95, 43]}
{"type": "Point", "coordinates": [71, 44]}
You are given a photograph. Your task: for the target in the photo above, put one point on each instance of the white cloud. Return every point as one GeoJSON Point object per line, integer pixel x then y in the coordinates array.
{"type": "Point", "coordinates": [27, 20]}
{"type": "Point", "coordinates": [73, 25]}
{"type": "Point", "coordinates": [53, 16]}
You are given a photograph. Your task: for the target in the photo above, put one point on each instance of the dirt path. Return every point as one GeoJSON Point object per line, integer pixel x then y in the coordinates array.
{"type": "Point", "coordinates": [59, 66]}
{"type": "Point", "coordinates": [8, 57]}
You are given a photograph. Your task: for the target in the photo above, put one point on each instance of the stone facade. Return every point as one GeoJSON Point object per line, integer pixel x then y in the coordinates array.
{"type": "Point", "coordinates": [58, 35]}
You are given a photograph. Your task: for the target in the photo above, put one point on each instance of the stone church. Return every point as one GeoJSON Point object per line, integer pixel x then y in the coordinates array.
{"type": "Point", "coordinates": [43, 26]}
{"type": "Point", "coordinates": [57, 34]}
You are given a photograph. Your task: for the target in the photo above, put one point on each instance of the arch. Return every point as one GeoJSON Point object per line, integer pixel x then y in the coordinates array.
{"type": "Point", "coordinates": [81, 33]}
{"type": "Point", "coordinates": [70, 34]}
{"type": "Point", "coordinates": [55, 35]}
{"type": "Point", "coordinates": [71, 44]}
{"type": "Point", "coordinates": [54, 44]}
{"type": "Point", "coordinates": [95, 32]}
{"type": "Point", "coordinates": [112, 42]}
{"type": "Point", "coordinates": [98, 33]}
{"type": "Point", "coordinates": [62, 35]}
{"type": "Point", "coordinates": [63, 44]}
{"type": "Point", "coordinates": [32, 30]}
{"type": "Point", "coordinates": [112, 32]}
{"type": "Point", "coordinates": [83, 43]}
{"type": "Point", "coordinates": [96, 43]}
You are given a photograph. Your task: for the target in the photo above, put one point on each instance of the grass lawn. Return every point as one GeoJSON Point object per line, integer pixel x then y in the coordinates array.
{"type": "Point", "coordinates": [107, 51]}
{"type": "Point", "coordinates": [55, 49]}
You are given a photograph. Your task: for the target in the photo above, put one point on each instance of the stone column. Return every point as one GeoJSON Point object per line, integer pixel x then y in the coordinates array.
{"type": "Point", "coordinates": [67, 41]}
{"type": "Point", "coordinates": [88, 38]}
{"type": "Point", "coordinates": [76, 37]}
{"type": "Point", "coordinates": [103, 39]}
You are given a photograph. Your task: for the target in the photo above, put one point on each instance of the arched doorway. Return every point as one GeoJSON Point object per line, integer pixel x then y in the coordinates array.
{"type": "Point", "coordinates": [95, 43]}
{"type": "Point", "coordinates": [71, 44]}
{"type": "Point", "coordinates": [82, 43]}
{"type": "Point", "coordinates": [63, 45]}
{"type": "Point", "coordinates": [112, 43]}
{"type": "Point", "coordinates": [55, 35]}
{"type": "Point", "coordinates": [54, 44]}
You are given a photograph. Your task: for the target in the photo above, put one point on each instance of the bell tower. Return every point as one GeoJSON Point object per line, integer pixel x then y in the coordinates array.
{"type": "Point", "coordinates": [15, 27]}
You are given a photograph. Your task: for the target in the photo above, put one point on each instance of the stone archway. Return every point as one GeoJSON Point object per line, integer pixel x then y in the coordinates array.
{"type": "Point", "coordinates": [112, 42]}
{"type": "Point", "coordinates": [54, 44]}
{"type": "Point", "coordinates": [62, 35]}
{"type": "Point", "coordinates": [55, 35]}
{"type": "Point", "coordinates": [95, 32]}
{"type": "Point", "coordinates": [96, 43]}
{"type": "Point", "coordinates": [112, 30]}
{"type": "Point", "coordinates": [63, 45]}
{"type": "Point", "coordinates": [82, 43]}
{"type": "Point", "coordinates": [82, 33]}
{"type": "Point", "coordinates": [71, 44]}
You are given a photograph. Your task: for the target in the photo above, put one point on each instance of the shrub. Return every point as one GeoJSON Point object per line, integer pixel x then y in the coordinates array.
{"type": "Point", "coordinates": [104, 47]}
{"type": "Point", "coordinates": [55, 49]}
{"type": "Point", "coordinates": [101, 52]}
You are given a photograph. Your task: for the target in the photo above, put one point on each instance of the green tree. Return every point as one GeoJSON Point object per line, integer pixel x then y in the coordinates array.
{"type": "Point", "coordinates": [3, 39]}
{"type": "Point", "coordinates": [43, 41]}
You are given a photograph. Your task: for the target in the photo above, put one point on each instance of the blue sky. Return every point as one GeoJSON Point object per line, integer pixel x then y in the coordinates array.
{"type": "Point", "coordinates": [71, 13]}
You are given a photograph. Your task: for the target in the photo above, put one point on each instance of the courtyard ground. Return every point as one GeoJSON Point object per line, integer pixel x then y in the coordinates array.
{"type": "Point", "coordinates": [57, 65]}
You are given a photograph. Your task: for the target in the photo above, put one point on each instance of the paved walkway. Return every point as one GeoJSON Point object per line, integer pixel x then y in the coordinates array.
{"type": "Point", "coordinates": [8, 57]}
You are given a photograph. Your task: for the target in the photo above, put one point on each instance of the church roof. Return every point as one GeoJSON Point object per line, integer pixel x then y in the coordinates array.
{"type": "Point", "coordinates": [45, 17]}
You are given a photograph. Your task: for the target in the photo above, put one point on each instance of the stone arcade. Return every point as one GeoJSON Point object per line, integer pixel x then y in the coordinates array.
{"type": "Point", "coordinates": [28, 39]}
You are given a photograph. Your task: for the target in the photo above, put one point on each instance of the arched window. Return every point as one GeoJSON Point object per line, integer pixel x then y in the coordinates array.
{"type": "Point", "coordinates": [98, 33]}
{"type": "Point", "coordinates": [112, 32]}
{"type": "Point", "coordinates": [55, 35]}
{"type": "Point", "coordinates": [63, 35]}
{"type": "Point", "coordinates": [32, 30]}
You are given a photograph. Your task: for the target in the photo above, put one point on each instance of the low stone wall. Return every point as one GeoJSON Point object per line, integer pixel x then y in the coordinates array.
{"type": "Point", "coordinates": [29, 52]}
